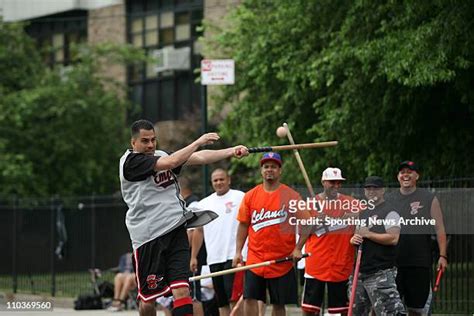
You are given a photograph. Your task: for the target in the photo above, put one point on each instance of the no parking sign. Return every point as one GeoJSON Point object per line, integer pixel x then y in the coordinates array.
{"type": "Point", "coordinates": [217, 72]}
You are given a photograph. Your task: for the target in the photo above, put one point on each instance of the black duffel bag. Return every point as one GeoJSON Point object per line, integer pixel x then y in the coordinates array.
{"type": "Point", "coordinates": [88, 301]}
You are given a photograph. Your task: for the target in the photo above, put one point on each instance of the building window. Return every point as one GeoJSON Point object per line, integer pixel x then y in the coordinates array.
{"type": "Point", "coordinates": [58, 47]}
{"type": "Point", "coordinates": [57, 33]}
{"type": "Point", "coordinates": [171, 94]}
{"type": "Point", "coordinates": [183, 27]}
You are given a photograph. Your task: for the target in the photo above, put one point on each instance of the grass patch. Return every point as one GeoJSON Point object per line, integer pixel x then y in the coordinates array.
{"type": "Point", "coordinates": [70, 284]}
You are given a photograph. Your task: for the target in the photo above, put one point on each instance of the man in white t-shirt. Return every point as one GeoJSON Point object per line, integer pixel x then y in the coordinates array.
{"type": "Point", "coordinates": [220, 239]}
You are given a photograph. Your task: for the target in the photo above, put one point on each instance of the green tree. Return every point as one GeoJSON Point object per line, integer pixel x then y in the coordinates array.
{"type": "Point", "coordinates": [390, 80]}
{"type": "Point", "coordinates": [62, 128]}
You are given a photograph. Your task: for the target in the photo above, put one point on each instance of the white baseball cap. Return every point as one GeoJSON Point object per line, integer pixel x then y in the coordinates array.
{"type": "Point", "coordinates": [332, 174]}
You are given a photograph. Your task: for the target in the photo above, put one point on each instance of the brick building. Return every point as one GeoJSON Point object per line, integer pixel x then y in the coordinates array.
{"type": "Point", "coordinates": [161, 27]}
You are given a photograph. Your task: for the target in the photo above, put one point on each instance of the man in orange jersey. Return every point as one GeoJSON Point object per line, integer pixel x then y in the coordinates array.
{"type": "Point", "coordinates": [264, 217]}
{"type": "Point", "coordinates": [333, 255]}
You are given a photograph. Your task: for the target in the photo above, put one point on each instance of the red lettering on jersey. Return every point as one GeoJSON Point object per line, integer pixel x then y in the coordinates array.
{"type": "Point", "coordinates": [415, 206]}
{"type": "Point", "coordinates": [164, 179]}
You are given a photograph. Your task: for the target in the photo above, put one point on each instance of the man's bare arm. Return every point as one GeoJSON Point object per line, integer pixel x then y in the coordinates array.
{"type": "Point", "coordinates": [437, 215]}
{"type": "Point", "coordinates": [242, 233]}
{"type": "Point", "coordinates": [206, 156]}
{"type": "Point", "coordinates": [390, 238]}
{"type": "Point", "coordinates": [181, 156]}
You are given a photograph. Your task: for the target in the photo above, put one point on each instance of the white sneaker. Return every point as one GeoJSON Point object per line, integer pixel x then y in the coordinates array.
{"type": "Point", "coordinates": [115, 308]}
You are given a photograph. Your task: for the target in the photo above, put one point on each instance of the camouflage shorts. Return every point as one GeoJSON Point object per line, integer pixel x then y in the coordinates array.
{"type": "Point", "coordinates": [377, 290]}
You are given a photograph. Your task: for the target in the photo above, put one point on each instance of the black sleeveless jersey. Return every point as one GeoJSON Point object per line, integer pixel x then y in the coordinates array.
{"type": "Point", "coordinates": [414, 246]}
{"type": "Point", "coordinates": [375, 256]}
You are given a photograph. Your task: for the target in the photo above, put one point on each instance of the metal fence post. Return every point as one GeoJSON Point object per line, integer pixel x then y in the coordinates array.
{"type": "Point", "coordinates": [15, 245]}
{"type": "Point", "coordinates": [205, 168]}
{"type": "Point", "coordinates": [52, 237]}
{"type": "Point", "coordinates": [93, 223]}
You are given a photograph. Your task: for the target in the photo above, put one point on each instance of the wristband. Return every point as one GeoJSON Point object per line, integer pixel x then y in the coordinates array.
{"type": "Point", "coordinates": [445, 257]}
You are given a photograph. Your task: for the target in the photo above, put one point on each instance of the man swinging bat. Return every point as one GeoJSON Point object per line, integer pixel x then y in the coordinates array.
{"type": "Point", "coordinates": [157, 217]}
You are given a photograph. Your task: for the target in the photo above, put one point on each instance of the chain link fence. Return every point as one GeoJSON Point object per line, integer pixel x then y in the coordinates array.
{"type": "Point", "coordinates": [49, 245]}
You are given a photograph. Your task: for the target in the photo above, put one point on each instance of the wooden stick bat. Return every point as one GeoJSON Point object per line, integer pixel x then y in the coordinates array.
{"type": "Point", "coordinates": [355, 278]}
{"type": "Point", "coordinates": [243, 268]}
{"type": "Point", "coordinates": [299, 160]}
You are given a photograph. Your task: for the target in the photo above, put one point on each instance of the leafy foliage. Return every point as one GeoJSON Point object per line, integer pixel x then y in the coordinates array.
{"type": "Point", "coordinates": [62, 128]}
{"type": "Point", "coordinates": [390, 80]}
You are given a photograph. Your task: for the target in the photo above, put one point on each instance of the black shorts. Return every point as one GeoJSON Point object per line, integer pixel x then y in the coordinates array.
{"type": "Point", "coordinates": [282, 290]}
{"type": "Point", "coordinates": [162, 265]}
{"type": "Point", "coordinates": [313, 296]}
{"type": "Point", "coordinates": [224, 284]}
{"type": "Point", "coordinates": [413, 284]}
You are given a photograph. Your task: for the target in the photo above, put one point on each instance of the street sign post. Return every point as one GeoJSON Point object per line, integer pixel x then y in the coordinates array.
{"type": "Point", "coordinates": [213, 72]}
{"type": "Point", "coordinates": [217, 72]}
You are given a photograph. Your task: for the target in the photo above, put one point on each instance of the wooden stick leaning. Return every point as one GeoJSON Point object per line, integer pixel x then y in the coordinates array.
{"type": "Point", "coordinates": [299, 160]}
{"type": "Point", "coordinates": [355, 278]}
{"type": "Point", "coordinates": [243, 268]}
{"type": "Point", "coordinates": [291, 147]}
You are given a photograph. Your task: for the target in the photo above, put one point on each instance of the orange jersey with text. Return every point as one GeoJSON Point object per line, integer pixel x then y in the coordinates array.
{"type": "Point", "coordinates": [332, 256]}
{"type": "Point", "coordinates": [270, 235]}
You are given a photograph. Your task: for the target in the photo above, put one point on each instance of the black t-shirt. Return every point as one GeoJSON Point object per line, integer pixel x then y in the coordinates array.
{"type": "Point", "coordinates": [376, 257]}
{"type": "Point", "coordinates": [414, 246]}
